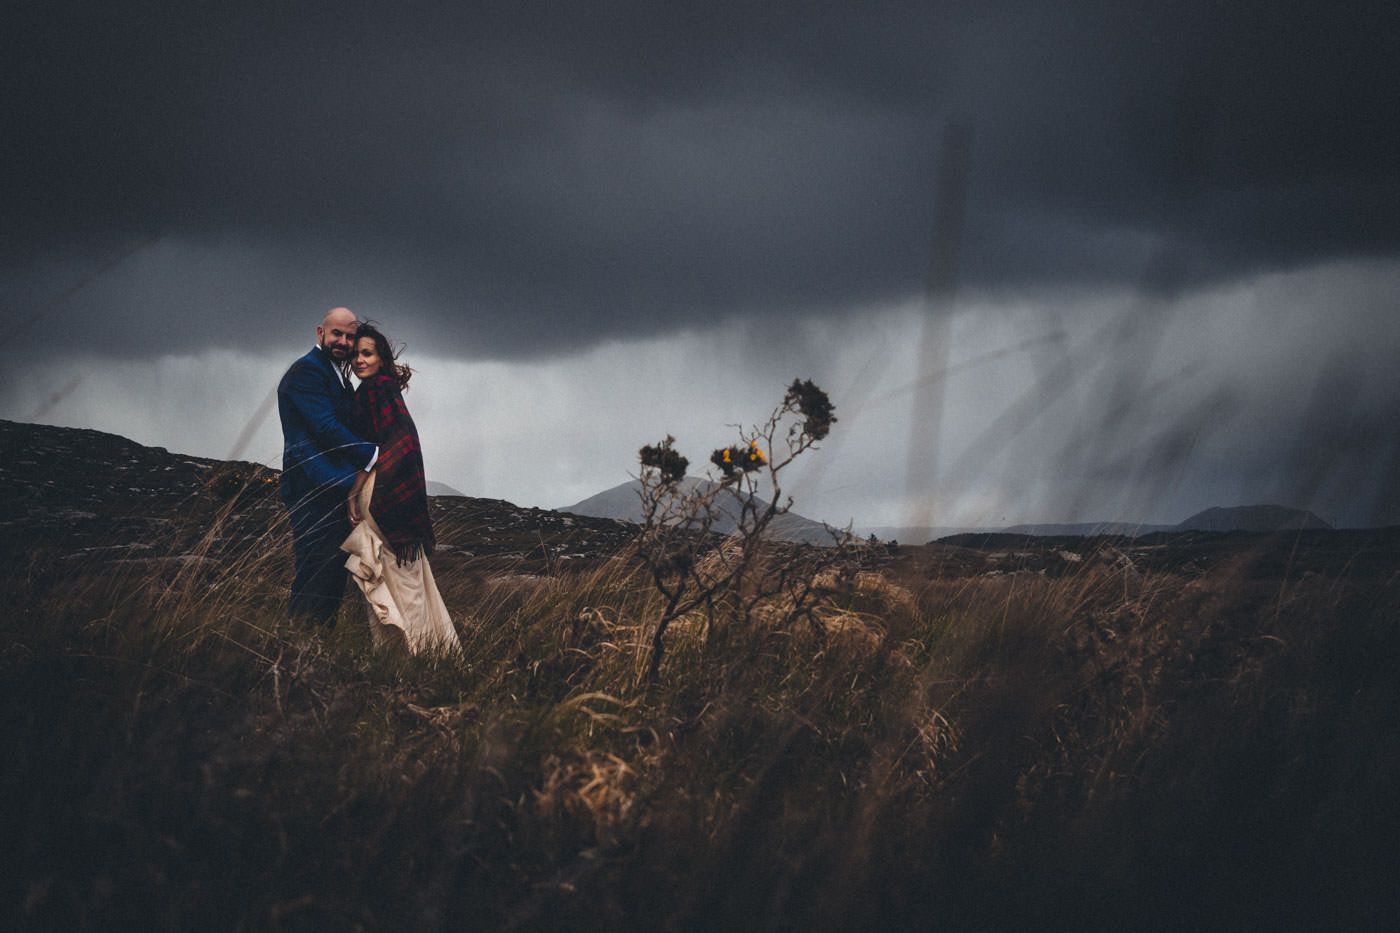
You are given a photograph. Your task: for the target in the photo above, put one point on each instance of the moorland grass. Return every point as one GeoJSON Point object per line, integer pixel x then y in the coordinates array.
{"type": "Point", "coordinates": [1112, 748]}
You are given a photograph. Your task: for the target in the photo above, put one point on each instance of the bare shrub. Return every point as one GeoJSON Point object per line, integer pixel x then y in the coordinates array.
{"type": "Point", "coordinates": [747, 576]}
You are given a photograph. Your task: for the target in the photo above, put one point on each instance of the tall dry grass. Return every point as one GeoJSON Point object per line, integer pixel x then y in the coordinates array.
{"type": "Point", "coordinates": [1111, 747]}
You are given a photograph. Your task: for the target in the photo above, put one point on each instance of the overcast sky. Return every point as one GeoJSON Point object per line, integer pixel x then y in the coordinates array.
{"type": "Point", "coordinates": [1178, 259]}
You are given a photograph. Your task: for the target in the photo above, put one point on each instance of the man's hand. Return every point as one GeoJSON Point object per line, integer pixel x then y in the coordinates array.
{"type": "Point", "coordinates": [354, 502]}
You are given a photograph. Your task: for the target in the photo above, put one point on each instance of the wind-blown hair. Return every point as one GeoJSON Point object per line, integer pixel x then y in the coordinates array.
{"type": "Point", "coordinates": [390, 364]}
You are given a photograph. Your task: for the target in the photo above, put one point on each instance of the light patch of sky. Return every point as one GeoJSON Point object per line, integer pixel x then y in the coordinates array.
{"type": "Point", "coordinates": [1054, 412]}
{"type": "Point", "coordinates": [557, 432]}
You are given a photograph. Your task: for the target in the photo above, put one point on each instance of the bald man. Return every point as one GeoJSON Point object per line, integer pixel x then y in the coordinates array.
{"type": "Point", "coordinates": [320, 457]}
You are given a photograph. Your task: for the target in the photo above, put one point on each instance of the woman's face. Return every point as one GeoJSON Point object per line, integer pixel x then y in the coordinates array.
{"type": "Point", "coordinates": [366, 360]}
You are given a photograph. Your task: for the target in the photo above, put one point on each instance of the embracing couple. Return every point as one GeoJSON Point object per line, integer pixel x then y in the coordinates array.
{"type": "Point", "coordinates": [353, 484]}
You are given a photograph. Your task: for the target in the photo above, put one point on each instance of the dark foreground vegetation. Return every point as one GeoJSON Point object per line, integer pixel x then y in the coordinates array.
{"type": "Point", "coordinates": [1203, 734]}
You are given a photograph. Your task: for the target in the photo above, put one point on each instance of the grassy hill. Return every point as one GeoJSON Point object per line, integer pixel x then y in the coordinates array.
{"type": "Point", "coordinates": [1193, 731]}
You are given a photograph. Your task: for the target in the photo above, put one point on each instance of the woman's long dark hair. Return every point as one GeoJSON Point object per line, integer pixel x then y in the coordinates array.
{"type": "Point", "coordinates": [390, 364]}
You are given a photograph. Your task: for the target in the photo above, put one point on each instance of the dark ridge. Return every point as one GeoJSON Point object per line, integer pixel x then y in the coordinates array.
{"type": "Point", "coordinates": [1253, 518]}
{"type": "Point", "coordinates": [102, 497]}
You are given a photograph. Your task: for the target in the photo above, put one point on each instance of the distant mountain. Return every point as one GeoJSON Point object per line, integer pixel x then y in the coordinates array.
{"type": "Point", "coordinates": [623, 502]}
{"type": "Point", "coordinates": [442, 489]}
{"type": "Point", "coordinates": [1236, 518]}
{"type": "Point", "coordinates": [1239, 518]}
{"type": "Point", "coordinates": [1087, 529]}
{"type": "Point", "coordinates": [913, 534]}
{"type": "Point", "coordinates": [1252, 518]}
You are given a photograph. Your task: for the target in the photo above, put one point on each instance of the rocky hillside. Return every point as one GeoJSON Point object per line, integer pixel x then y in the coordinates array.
{"type": "Point", "coordinates": [75, 495]}
{"type": "Point", "coordinates": [82, 495]}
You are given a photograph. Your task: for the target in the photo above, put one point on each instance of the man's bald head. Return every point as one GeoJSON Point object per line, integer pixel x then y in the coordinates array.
{"type": "Point", "coordinates": [336, 333]}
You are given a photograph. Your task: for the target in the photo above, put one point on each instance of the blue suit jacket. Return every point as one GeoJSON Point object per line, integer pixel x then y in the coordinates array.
{"type": "Point", "coordinates": [319, 453]}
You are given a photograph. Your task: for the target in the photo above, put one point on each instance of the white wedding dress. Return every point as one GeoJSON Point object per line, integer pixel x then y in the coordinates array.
{"type": "Point", "coordinates": [405, 607]}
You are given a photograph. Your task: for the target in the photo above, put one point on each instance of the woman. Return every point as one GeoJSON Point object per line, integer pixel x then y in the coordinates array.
{"type": "Point", "coordinates": [393, 534]}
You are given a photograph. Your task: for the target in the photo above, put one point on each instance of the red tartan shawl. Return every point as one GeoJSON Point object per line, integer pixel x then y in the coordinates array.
{"type": "Point", "coordinates": [400, 501]}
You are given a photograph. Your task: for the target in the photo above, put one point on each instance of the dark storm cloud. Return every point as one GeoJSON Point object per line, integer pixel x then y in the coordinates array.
{"type": "Point", "coordinates": [541, 176]}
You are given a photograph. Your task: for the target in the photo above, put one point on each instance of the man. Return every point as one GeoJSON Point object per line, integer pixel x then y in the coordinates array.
{"type": "Point", "coordinates": [320, 457]}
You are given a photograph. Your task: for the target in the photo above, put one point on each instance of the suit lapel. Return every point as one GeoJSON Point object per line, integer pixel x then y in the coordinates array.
{"type": "Point", "coordinates": [323, 360]}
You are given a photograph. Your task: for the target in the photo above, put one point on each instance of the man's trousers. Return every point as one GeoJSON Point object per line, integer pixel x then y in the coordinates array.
{"type": "Point", "coordinates": [319, 524]}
